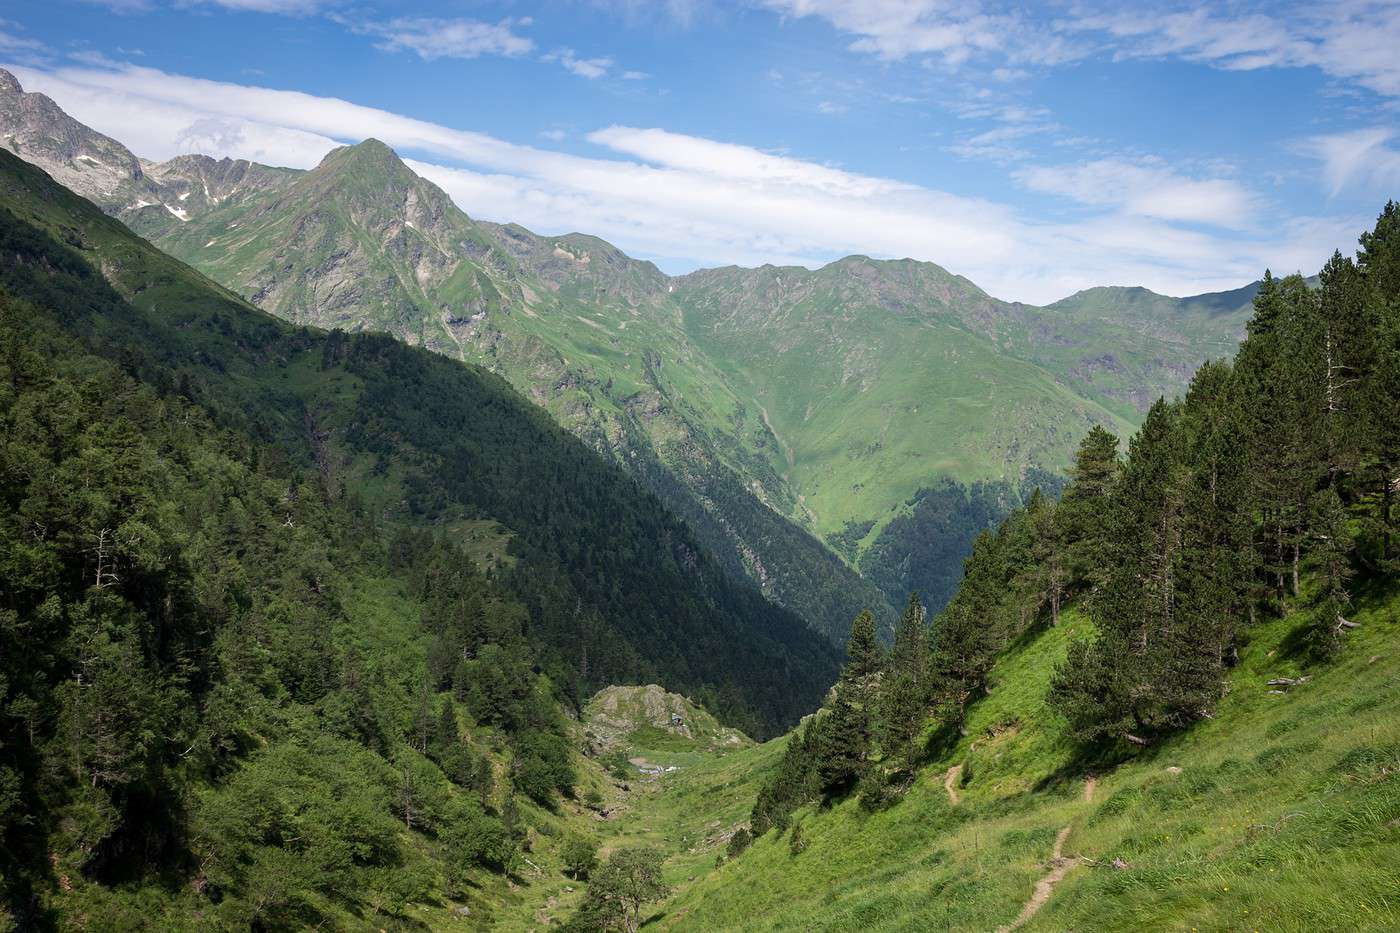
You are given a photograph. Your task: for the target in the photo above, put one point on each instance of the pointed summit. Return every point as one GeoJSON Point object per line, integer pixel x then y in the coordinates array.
{"type": "Point", "coordinates": [9, 84]}
{"type": "Point", "coordinates": [368, 153]}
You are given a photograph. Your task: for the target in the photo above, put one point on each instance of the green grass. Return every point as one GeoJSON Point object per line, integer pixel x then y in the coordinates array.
{"type": "Point", "coordinates": [1284, 815]}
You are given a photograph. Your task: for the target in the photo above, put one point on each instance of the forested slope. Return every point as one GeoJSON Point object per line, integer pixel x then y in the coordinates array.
{"type": "Point", "coordinates": [251, 676]}
{"type": "Point", "coordinates": [605, 569]}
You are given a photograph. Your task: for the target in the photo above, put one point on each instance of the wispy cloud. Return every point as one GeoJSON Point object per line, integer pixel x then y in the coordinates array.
{"type": "Point", "coordinates": [1360, 159]}
{"type": "Point", "coordinates": [1350, 40]}
{"type": "Point", "coordinates": [445, 38]}
{"type": "Point", "coordinates": [283, 7]}
{"type": "Point", "coordinates": [1353, 40]}
{"type": "Point", "coordinates": [288, 7]}
{"type": "Point", "coordinates": [1146, 189]}
{"type": "Point", "coordinates": [591, 68]}
{"type": "Point", "coordinates": [687, 200]}
{"type": "Point", "coordinates": [950, 32]}
{"type": "Point", "coordinates": [1000, 144]}
{"type": "Point", "coordinates": [680, 12]}
{"type": "Point", "coordinates": [17, 46]}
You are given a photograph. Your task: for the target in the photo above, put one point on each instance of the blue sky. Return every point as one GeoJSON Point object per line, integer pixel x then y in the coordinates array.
{"type": "Point", "coordinates": [1036, 150]}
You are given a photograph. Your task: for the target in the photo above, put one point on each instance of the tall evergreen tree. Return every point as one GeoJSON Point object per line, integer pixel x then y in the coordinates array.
{"type": "Point", "coordinates": [903, 689]}
{"type": "Point", "coordinates": [864, 657]}
{"type": "Point", "coordinates": [1081, 511]}
{"type": "Point", "coordinates": [845, 744]}
{"type": "Point", "coordinates": [1334, 546]}
{"type": "Point", "coordinates": [1379, 263]}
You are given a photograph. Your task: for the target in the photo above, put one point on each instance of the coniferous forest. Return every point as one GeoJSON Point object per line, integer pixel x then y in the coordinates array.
{"type": "Point", "coordinates": [234, 666]}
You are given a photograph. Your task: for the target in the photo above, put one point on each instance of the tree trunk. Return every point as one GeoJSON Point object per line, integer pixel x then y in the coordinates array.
{"type": "Point", "coordinates": [1385, 515]}
{"type": "Point", "coordinates": [1295, 568]}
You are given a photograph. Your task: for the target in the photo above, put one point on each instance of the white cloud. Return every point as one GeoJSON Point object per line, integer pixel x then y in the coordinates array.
{"type": "Point", "coordinates": [1000, 144]}
{"type": "Point", "coordinates": [591, 68]}
{"type": "Point", "coordinates": [284, 7]}
{"type": "Point", "coordinates": [635, 76]}
{"type": "Point", "coordinates": [21, 47]}
{"type": "Point", "coordinates": [686, 200]}
{"type": "Point", "coordinates": [553, 135]}
{"type": "Point", "coordinates": [1354, 40]}
{"type": "Point", "coordinates": [445, 38]}
{"type": "Point", "coordinates": [681, 12]}
{"type": "Point", "coordinates": [289, 7]}
{"type": "Point", "coordinates": [1360, 159]}
{"type": "Point", "coordinates": [831, 108]}
{"type": "Point", "coordinates": [1351, 40]}
{"type": "Point", "coordinates": [948, 30]}
{"type": "Point", "coordinates": [1145, 189]}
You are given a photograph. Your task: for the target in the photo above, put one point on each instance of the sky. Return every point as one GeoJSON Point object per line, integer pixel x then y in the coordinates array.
{"type": "Point", "coordinates": [1035, 149]}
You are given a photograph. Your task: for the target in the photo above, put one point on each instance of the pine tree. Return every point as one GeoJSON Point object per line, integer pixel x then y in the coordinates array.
{"type": "Point", "coordinates": [1049, 564]}
{"type": "Point", "coordinates": [845, 742]}
{"type": "Point", "coordinates": [1079, 516]}
{"type": "Point", "coordinates": [1347, 356]}
{"type": "Point", "coordinates": [1379, 263]}
{"type": "Point", "coordinates": [864, 657]}
{"type": "Point", "coordinates": [964, 639]}
{"type": "Point", "coordinates": [1112, 692]}
{"type": "Point", "coordinates": [903, 689]}
{"type": "Point", "coordinates": [423, 719]}
{"type": "Point", "coordinates": [1334, 564]}
{"type": "Point", "coordinates": [447, 747]}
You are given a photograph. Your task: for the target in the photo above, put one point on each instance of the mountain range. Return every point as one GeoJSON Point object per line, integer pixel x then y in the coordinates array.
{"type": "Point", "coordinates": [799, 420]}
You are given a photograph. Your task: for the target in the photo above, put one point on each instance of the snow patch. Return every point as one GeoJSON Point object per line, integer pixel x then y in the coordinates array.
{"type": "Point", "coordinates": [209, 244]}
{"type": "Point", "coordinates": [179, 213]}
{"type": "Point", "coordinates": [184, 195]}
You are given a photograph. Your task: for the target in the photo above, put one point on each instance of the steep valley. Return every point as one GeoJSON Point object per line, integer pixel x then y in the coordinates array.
{"type": "Point", "coordinates": [366, 566]}
{"type": "Point", "coordinates": [788, 415]}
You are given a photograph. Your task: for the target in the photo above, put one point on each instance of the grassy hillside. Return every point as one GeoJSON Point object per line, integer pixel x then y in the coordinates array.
{"type": "Point", "coordinates": [1281, 813]}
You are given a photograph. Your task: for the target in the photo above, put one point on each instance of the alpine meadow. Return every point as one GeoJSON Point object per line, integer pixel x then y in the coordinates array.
{"type": "Point", "coordinates": [619, 467]}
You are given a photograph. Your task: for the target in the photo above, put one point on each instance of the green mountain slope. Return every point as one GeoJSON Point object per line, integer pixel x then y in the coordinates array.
{"type": "Point", "coordinates": [755, 402]}
{"type": "Point", "coordinates": [876, 379]}
{"type": "Point", "coordinates": [363, 243]}
{"type": "Point", "coordinates": [618, 589]}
